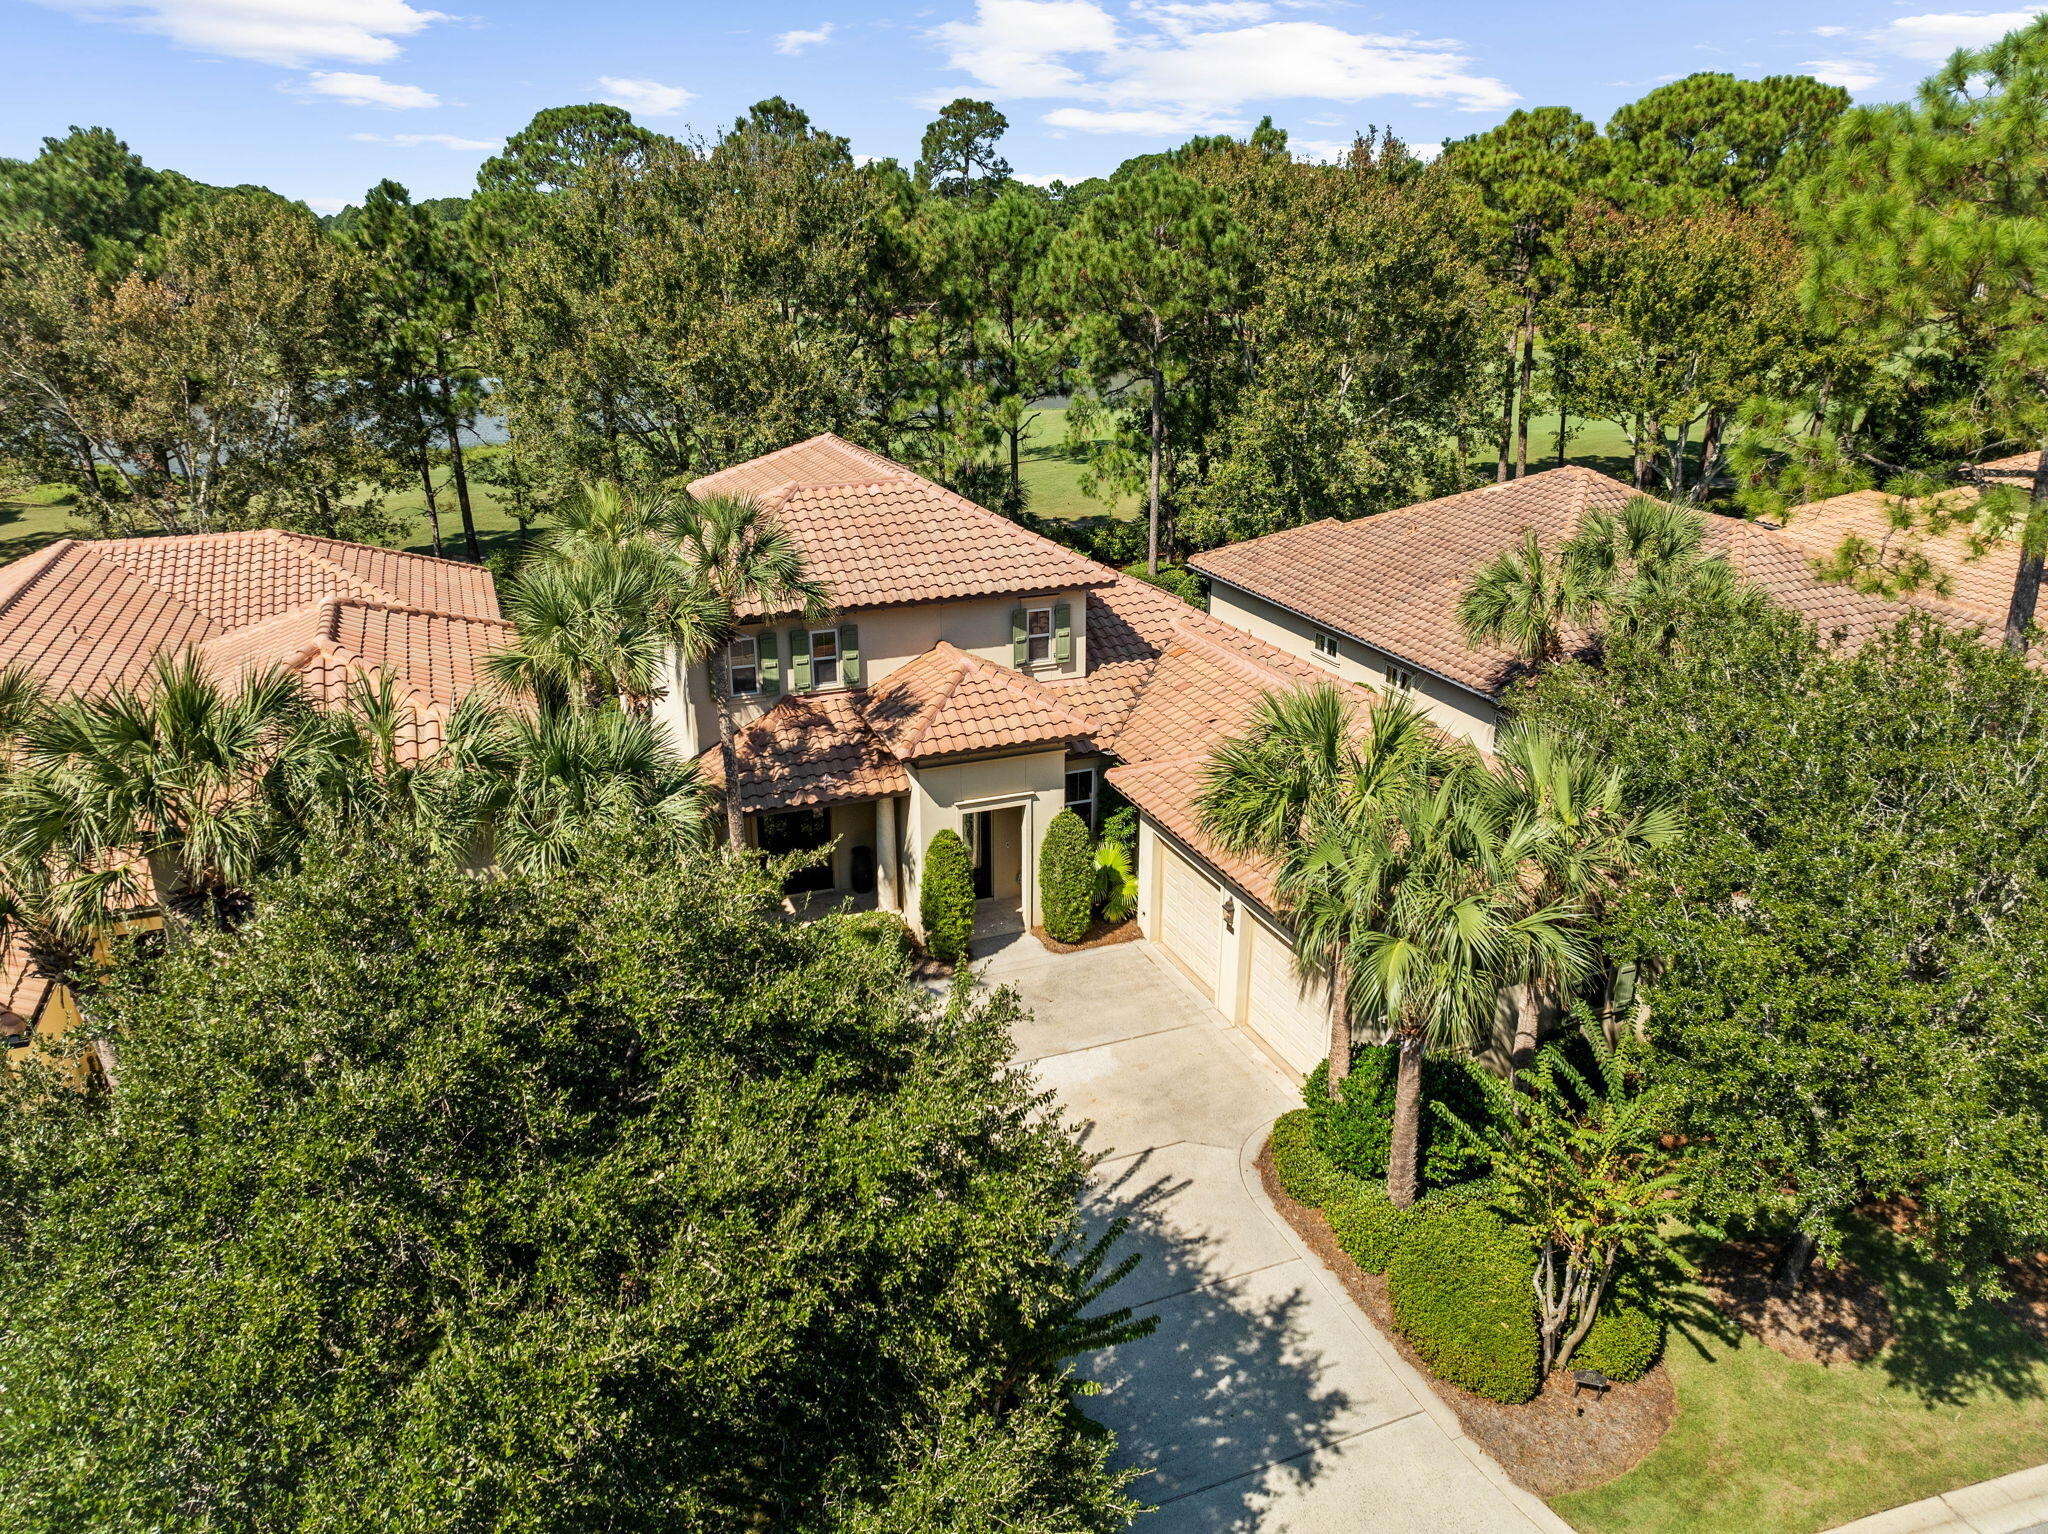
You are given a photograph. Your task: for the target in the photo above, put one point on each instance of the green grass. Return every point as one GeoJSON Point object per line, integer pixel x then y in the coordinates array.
{"type": "Point", "coordinates": [1765, 1445]}
{"type": "Point", "coordinates": [32, 519]}
{"type": "Point", "coordinates": [1052, 479]}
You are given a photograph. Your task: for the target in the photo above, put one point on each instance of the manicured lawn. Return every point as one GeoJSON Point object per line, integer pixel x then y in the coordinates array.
{"type": "Point", "coordinates": [1765, 1445]}
{"type": "Point", "coordinates": [1053, 479]}
{"type": "Point", "coordinates": [32, 519]}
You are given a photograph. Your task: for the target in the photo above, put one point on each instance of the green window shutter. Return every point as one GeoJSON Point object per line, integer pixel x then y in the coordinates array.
{"type": "Point", "coordinates": [770, 666]}
{"type": "Point", "coordinates": [1020, 649]}
{"type": "Point", "coordinates": [1062, 633]}
{"type": "Point", "coordinates": [799, 660]}
{"type": "Point", "coordinates": [849, 654]}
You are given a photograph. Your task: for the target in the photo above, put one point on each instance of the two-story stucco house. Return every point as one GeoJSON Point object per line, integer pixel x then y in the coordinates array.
{"type": "Point", "coordinates": [1375, 601]}
{"type": "Point", "coordinates": [978, 678]}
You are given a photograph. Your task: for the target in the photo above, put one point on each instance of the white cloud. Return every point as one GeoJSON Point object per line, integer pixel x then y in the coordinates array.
{"type": "Point", "coordinates": [1329, 151]}
{"type": "Point", "coordinates": [650, 98]}
{"type": "Point", "coordinates": [1850, 74]}
{"type": "Point", "coordinates": [414, 140]}
{"type": "Point", "coordinates": [1830, 31]}
{"type": "Point", "coordinates": [1935, 36]}
{"type": "Point", "coordinates": [358, 90]}
{"type": "Point", "coordinates": [798, 40]}
{"type": "Point", "coordinates": [325, 204]}
{"type": "Point", "coordinates": [294, 33]}
{"type": "Point", "coordinates": [1040, 178]}
{"type": "Point", "coordinates": [1186, 65]}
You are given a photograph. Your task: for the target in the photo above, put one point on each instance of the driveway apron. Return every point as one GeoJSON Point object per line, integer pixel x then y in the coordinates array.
{"type": "Point", "coordinates": [1265, 1401]}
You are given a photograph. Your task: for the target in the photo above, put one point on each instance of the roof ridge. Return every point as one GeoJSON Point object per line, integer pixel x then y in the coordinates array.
{"type": "Point", "coordinates": [392, 605]}
{"type": "Point", "coordinates": [1029, 687]}
{"type": "Point", "coordinates": [378, 548]}
{"type": "Point", "coordinates": [50, 556]}
{"type": "Point", "coordinates": [347, 576]}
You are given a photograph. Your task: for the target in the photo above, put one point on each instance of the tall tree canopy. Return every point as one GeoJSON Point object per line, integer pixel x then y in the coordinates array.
{"type": "Point", "coordinates": [1714, 138]}
{"type": "Point", "coordinates": [549, 1202]}
{"type": "Point", "coordinates": [958, 157]}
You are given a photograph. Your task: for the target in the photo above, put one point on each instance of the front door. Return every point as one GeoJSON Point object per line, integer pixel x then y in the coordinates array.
{"type": "Point", "coordinates": [981, 851]}
{"type": "Point", "coordinates": [800, 831]}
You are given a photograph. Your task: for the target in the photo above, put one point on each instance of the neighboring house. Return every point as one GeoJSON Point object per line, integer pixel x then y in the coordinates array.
{"type": "Point", "coordinates": [87, 616]}
{"type": "Point", "coordinates": [1375, 600]}
{"type": "Point", "coordinates": [978, 678]}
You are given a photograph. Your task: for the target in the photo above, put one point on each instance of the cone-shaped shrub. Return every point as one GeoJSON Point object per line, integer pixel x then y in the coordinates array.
{"type": "Point", "coordinates": [945, 898]}
{"type": "Point", "coordinates": [1066, 878]}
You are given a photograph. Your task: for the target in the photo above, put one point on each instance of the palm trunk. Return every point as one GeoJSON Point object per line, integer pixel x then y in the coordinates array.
{"type": "Point", "coordinates": [728, 752]}
{"type": "Point", "coordinates": [1404, 1171]}
{"type": "Point", "coordinates": [2026, 584]}
{"type": "Point", "coordinates": [1340, 1034]}
{"type": "Point", "coordinates": [454, 432]}
{"type": "Point", "coordinates": [1152, 488]}
{"type": "Point", "coordinates": [1528, 998]}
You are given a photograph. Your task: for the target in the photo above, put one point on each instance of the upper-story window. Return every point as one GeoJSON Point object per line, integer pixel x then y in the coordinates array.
{"type": "Point", "coordinates": [1326, 645]}
{"type": "Point", "coordinates": [824, 657]}
{"type": "Point", "coordinates": [1038, 635]}
{"type": "Point", "coordinates": [1081, 794]}
{"type": "Point", "coordinates": [1400, 678]}
{"type": "Point", "coordinates": [743, 666]}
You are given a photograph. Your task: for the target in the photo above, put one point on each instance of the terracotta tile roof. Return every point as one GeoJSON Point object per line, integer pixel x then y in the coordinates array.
{"type": "Point", "coordinates": [950, 703]}
{"type": "Point", "coordinates": [811, 748]}
{"type": "Point", "coordinates": [86, 615]}
{"type": "Point", "coordinates": [822, 460]}
{"type": "Point", "coordinates": [1976, 583]}
{"type": "Point", "coordinates": [894, 541]}
{"type": "Point", "coordinates": [1393, 581]}
{"type": "Point", "coordinates": [1167, 791]}
{"type": "Point", "coordinates": [22, 993]}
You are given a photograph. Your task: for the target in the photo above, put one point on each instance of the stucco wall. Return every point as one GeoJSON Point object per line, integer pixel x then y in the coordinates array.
{"type": "Point", "coordinates": [889, 637]}
{"type": "Point", "coordinates": [942, 796]}
{"type": "Point", "coordinates": [1456, 710]}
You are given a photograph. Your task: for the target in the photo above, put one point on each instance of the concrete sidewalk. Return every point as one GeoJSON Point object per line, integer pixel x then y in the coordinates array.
{"type": "Point", "coordinates": [1265, 1401]}
{"type": "Point", "coordinates": [2012, 1504]}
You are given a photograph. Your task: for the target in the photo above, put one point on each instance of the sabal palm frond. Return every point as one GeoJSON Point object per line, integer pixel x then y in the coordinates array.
{"type": "Point", "coordinates": [1527, 600]}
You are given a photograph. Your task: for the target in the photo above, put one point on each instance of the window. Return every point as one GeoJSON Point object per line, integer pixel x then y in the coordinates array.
{"type": "Point", "coordinates": [1326, 645]}
{"type": "Point", "coordinates": [1400, 678]}
{"type": "Point", "coordinates": [1081, 794]}
{"type": "Point", "coordinates": [824, 657]}
{"type": "Point", "coordinates": [743, 666]}
{"type": "Point", "coordinates": [1038, 635]}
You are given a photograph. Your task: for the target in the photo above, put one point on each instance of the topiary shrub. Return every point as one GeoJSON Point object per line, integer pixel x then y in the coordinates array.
{"type": "Point", "coordinates": [1367, 1225]}
{"type": "Point", "coordinates": [1356, 1130]}
{"type": "Point", "coordinates": [1627, 1337]}
{"type": "Point", "coordinates": [945, 898]}
{"type": "Point", "coordinates": [1460, 1288]}
{"type": "Point", "coordinates": [1066, 878]}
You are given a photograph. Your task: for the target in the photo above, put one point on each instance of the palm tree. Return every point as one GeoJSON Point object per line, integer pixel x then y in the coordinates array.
{"type": "Point", "coordinates": [186, 774]}
{"type": "Point", "coordinates": [745, 564]}
{"type": "Point", "coordinates": [1403, 880]}
{"type": "Point", "coordinates": [1596, 838]}
{"type": "Point", "coordinates": [1625, 568]}
{"type": "Point", "coordinates": [604, 606]}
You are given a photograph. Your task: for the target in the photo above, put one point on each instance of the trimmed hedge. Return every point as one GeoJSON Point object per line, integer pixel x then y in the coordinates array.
{"type": "Point", "coordinates": [1626, 1339]}
{"type": "Point", "coordinates": [1356, 1131]}
{"type": "Point", "coordinates": [1362, 1218]}
{"type": "Point", "coordinates": [1460, 1288]}
{"type": "Point", "coordinates": [1304, 1171]}
{"type": "Point", "coordinates": [1066, 878]}
{"type": "Point", "coordinates": [945, 898]}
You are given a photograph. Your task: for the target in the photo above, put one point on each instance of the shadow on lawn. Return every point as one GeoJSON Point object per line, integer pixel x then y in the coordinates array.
{"type": "Point", "coordinates": [1226, 1404]}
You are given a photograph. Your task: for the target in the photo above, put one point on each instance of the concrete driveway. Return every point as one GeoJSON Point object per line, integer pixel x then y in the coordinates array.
{"type": "Point", "coordinates": [1265, 1400]}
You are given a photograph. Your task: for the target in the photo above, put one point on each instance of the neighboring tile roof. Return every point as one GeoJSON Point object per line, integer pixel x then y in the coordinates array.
{"type": "Point", "coordinates": [1976, 583]}
{"type": "Point", "coordinates": [811, 748]}
{"type": "Point", "coordinates": [895, 541]}
{"type": "Point", "coordinates": [950, 703]}
{"type": "Point", "coordinates": [22, 993]}
{"type": "Point", "coordinates": [1393, 581]}
{"type": "Point", "coordinates": [86, 615]}
{"type": "Point", "coordinates": [822, 460]}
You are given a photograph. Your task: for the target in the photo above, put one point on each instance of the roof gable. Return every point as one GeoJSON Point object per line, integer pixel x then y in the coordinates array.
{"type": "Point", "coordinates": [950, 703]}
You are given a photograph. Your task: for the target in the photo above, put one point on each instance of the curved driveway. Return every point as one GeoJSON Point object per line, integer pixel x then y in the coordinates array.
{"type": "Point", "coordinates": [1265, 1401]}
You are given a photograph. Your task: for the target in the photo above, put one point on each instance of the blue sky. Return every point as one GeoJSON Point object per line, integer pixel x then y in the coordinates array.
{"type": "Point", "coordinates": [319, 98]}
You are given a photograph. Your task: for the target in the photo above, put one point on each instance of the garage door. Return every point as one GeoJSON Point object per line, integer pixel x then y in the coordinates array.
{"type": "Point", "coordinates": [1292, 1018]}
{"type": "Point", "coordinates": [1191, 920]}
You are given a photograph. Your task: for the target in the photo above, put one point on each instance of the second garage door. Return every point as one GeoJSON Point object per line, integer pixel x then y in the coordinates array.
{"type": "Point", "coordinates": [1191, 917]}
{"type": "Point", "coordinates": [1290, 1015]}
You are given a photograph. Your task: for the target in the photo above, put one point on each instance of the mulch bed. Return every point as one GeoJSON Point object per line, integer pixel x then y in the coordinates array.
{"type": "Point", "coordinates": [1100, 935]}
{"type": "Point", "coordinates": [2029, 1303]}
{"type": "Point", "coordinates": [1837, 1315]}
{"type": "Point", "coordinates": [1550, 1445]}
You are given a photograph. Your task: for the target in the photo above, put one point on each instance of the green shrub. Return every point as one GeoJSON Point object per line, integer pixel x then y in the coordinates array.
{"type": "Point", "coordinates": [1356, 1130]}
{"type": "Point", "coordinates": [945, 898]}
{"type": "Point", "coordinates": [1178, 579]}
{"type": "Point", "coordinates": [1120, 825]}
{"type": "Point", "coordinates": [1367, 1225]}
{"type": "Point", "coordinates": [1066, 878]}
{"type": "Point", "coordinates": [1304, 1171]}
{"type": "Point", "coordinates": [880, 929]}
{"type": "Point", "coordinates": [1627, 1337]}
{"type": "Point", "coordinates": [1460, 1289]}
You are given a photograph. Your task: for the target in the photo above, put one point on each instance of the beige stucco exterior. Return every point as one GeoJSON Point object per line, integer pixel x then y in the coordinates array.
{"type": "Point", "coordinates": [943, 795]}
{"type": "Point", "coordinates": [1456, 709]}
{"type": "Point", "coordinates": [889, 637]}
